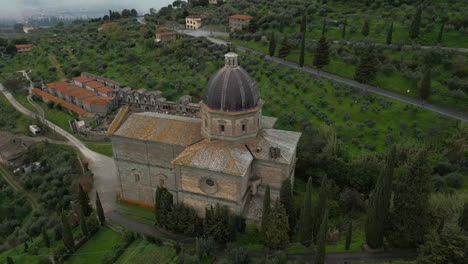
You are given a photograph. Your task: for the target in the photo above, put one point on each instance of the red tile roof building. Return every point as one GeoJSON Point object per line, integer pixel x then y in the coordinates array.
{"type": "Point", "coordinates": [24, 47]}
{"type": "Point", "coordinates": [64, 104]}
{"type": "Point", "coordinates": [239, 22]}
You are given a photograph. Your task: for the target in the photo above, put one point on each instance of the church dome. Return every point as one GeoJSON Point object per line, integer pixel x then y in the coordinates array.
{"type": "Point", "coordinates": [231, 89]}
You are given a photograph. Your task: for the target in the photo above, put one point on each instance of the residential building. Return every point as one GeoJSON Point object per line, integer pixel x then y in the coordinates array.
{"type": "Point", "coordinates": [24, 47]}
{"type": "Point", "coordinates": [27, 28]}
{"type": "Point", "coordinates": [239, 22]}
{"type": "Point", "coordinates": [194, 22]}
{"type": "Point", "coordinates": [166, 36]}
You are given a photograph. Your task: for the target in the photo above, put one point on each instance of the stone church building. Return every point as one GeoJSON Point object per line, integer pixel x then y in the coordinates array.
{"type": "Point", "coordinates": [227, 155]}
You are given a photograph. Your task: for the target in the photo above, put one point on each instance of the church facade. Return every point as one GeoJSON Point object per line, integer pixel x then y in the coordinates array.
{"type": "Point", "coordinates": [226, 155]}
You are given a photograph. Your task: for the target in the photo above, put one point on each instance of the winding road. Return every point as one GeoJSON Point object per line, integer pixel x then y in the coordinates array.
{"type": "Point", "coordinates": [406, 99]}
{"type": "Point", "coordinates": [103, 167]}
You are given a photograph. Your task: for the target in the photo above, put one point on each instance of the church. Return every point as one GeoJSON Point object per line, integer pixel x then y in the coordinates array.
{"type": "Point", "coordinates": [227, 154]}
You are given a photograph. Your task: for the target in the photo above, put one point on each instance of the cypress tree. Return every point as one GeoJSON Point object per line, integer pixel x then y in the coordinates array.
{"type": "Point", "coordinates": [379, 203]}
{"type": "Point", "coordinates": [324, 26]}
{"type": "Point", "coordinates": [10, 260]}
{"type": "Point", "coordinates": [301, 55]}
{"type": "Point", "coordinates": [84, 201]}
{"type": "Point", "coordinates": [322, 205]}
{"type": "Point", "coordinates": [306, 220]}
{"type": "Point", "coordinates": [409, 220]}
{"type": "Point", "coordinates": [276, 235]}
{"type": "Point", "coordinates": [45, 237]}
{"type": "Point", "coordinates": [349, 235]}
{"type": "Point", "coordinates": [365, 28]}
{"type": "Point", "coordinates": [441, 32]}
{"type": "Point", "coordinates": [218, 226]}
{"type": "Point", "coordinates": [26, 247]}
{"type": "Point", "coordinates": [67, 235]}
{"type": "Point", "coordinates": [83, 225]}
{"type": "Point", "coordinates": [163, 206]}
{"type": "Point", "coordinates": [415, 24]}
{"type": "Point", "coordinates": [322, 240]}
{"type": "Point", "coordinates": [272, 48]}
{"type": "Point", "coordinates": [367, 68]}
{"type": "Point", "coordinates": [285, 48]}
{"type": "Point", "coordinates": [304, 23]}
{"type": "Point", "coordinates": [390, 34]}
{"type": "Point", "coordinates": [99, 210]}
{"type": "Point", "coordinates": [343, 31]}
{"type": "Point", "coordinates": [463, 220]}
{"type": "Point", "coordinates": [253, 25]}
{"type": "Point", "coordinates": [321, 57]}
{"type": "Point", "coordinates": [425, 86]}
{"type": "Point", "coordinates": [286, 199]}
{"type": "Point", "coordinates": [266, 209]}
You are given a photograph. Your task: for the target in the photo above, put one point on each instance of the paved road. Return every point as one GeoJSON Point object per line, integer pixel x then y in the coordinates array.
{"type": "Point", "coordinates": [406, 47]}
{"type": "Point", "coordinates": [417, 102]}
{"type": "Point", "coordinates": [103, 167]}
{"type": "Point", "coordinates": [204, 33]}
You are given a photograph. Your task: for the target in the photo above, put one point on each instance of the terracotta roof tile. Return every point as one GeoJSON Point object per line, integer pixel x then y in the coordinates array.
{"type": "Point", "coordinates": [105, 89]}
{"type": "Point", "coordinates": [94, 84]}
{"type": "Point", "coordinates": [24, 46]}
{"type": "Point", "coordinates": [82, 79]}
{"type": "Point", "coordinates": [239, 16]}
{"type": "Point", "coordinates": [72, 107]}
{"type": "Point", "coordinates": [95, 100]}
{"type": "Point", "coordinates": [168, 129]}
{"type": "Point", "coordinates": [217, 155]}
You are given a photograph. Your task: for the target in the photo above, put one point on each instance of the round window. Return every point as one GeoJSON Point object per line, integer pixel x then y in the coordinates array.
{"type": "Point", "coordinates": [208, 185]}
{"type": "Point", "coordinates": [210, 182]}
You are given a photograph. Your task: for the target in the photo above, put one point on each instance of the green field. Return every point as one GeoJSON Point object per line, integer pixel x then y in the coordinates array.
{"type": "Point", "coordinates": [394, 81]}
{"type": "Point", "coordinates": [142, 252]}
{"type": "Point", "coordinates": [56, 116]}
{"type": "Point", "coordinates": [11, 120]}
{"type": "Point", "coordinates": [144, 215]}
{"type": "Point", "coordinates": [103, 148]}
{"type": "Point", "coordinates": [97, 246]}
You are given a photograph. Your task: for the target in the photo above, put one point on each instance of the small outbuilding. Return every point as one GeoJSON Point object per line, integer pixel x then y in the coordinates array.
{"type": "Point", "coordinates": [35, 130]}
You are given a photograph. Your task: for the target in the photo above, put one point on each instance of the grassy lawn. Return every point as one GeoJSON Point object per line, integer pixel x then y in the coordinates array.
{"type": "Point", "coordinates": [58, 117]}
{"type": "Point", "coordinates": [23, 99]}
{"type": "Point", "coordinates": [20, 257]}
{"type": "Point", "coordinates": [142, 252]}
{"type": "Point", "coordinates": [103, 148]}
{"type": "Point", "coordinates": [141, 214]}
{"type": "Point", "coordinates": [94, 250]}
{"type": "Point", "coordinates": [16, 122]}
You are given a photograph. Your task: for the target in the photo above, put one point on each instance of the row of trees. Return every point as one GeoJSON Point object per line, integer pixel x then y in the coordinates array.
{"type": "Point", "coordinates": [88, 221]}
{"type": "Point", "coordinates": [218, 223]}
{"type": "Point", "coordinates": [366, 69]}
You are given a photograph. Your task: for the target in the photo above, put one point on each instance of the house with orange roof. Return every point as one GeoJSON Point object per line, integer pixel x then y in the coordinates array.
{"type": "Point", "coordinates": [96, 104]}
{"type": "Point", "coordinates": [239, 22]}
{"type": "Point", "coordinates": [81, 80]}
{"type": "Point", "coordinates": [105, 91]}
{"type": "Point", "coordinates": [93, 85]}
{"type": "Point", "coordinates": [24, 47]}
{"type": "Point", "coordinates": [82, 97]}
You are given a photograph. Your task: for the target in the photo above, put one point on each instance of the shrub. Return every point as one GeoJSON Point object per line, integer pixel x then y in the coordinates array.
{"type": "Point", "coordinates": [237, 255]}
{"type": "Point", "coordinates": [454, 180]}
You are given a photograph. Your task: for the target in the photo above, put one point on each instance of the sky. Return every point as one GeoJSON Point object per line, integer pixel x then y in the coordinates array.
{"type": "Point", "coordinates": [9, 8]}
